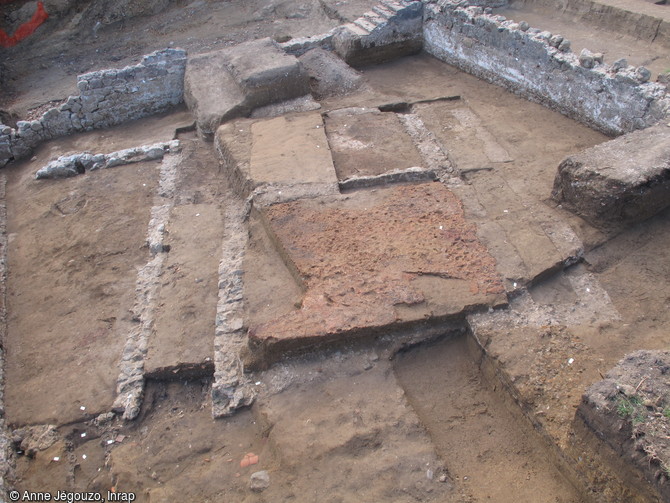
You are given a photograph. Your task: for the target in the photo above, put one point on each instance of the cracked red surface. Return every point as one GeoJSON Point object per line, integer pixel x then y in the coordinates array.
{"type": "Point", "coordinates": [376, 258]}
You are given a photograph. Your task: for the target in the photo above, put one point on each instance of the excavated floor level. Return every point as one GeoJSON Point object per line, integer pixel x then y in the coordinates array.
{"type": "Point", "coordinates": [373, 227]}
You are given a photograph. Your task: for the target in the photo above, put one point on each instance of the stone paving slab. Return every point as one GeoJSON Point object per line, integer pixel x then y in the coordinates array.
{"type": "Point", "coordinates": [288, 154]}
{"type": "Point", "coordinates": [367, 142]}
{"type": "Point", "coordinates": [181, 344]}
{"type": "Point", "coordinates": [291, 150]}
{"type": "Point", "coordinates": [376, 260]}
{"type": "Point", "coordinates": [527, 238]}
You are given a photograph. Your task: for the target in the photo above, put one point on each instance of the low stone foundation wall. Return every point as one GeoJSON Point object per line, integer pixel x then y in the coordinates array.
{"type": "Point", "coordinates": [108, 98]}
{"type": "Point", "coordinates": [539, 65]}
{"type": "Point", "coordinates": [617, 19]}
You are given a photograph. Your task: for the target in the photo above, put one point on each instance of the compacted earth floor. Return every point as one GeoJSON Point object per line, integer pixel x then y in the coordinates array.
{"type": "Point", "coordinates": [379, 419]}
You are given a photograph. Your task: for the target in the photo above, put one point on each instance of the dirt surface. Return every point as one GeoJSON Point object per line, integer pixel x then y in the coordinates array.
{"type": "Point", "coordinates": [464, 414]}
{"type": "Point", "coordinates": [358, 423]}
{"type": "Point", "coordinates": [83, 36]}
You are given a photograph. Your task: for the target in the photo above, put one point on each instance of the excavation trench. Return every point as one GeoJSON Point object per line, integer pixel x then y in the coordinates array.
{"type": "Point", "coordinates": [486, 443]}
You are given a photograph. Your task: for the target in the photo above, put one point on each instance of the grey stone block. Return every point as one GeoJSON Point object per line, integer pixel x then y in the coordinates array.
{"type": "Point", "coordinates": [266, 73]}
{"type": "Point", "coordinates": [229, 83]}
{"type": "Point", "coordinates": [622, 181]}
{"type": "Point", "coordinates": [211, 93]}
{"type": "Point", "coordinates": [328, 74]}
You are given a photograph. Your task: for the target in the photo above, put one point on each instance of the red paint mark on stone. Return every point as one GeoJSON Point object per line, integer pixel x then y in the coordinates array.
{"type": "Point", "coordinates": [26, 29]}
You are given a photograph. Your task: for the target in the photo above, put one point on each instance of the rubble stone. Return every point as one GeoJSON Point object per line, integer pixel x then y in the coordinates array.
{"type": "Point", "coordinates": [76, 164]}
{"type": "Point", "coordinates": [620, 64]}
{"type": "Point", "coordinates": [642, 74]}
{"type": "Point", "coordinates": [259, 481]}
{"type": "Point", "coordinates": [586, 59]}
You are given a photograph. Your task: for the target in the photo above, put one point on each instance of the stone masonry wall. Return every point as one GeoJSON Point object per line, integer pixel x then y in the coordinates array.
{"type": "Point", "coordinates": [108, 98]}
{"type": "Point", "coordinates": [539, 65]}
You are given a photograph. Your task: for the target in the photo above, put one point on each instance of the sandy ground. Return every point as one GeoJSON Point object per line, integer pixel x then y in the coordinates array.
{"type": "Point", "coordinates": [358, 423]}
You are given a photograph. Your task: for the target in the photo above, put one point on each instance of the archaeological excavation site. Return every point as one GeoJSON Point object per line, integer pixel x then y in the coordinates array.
{"type": "Point", "coordinates": [335, 251]}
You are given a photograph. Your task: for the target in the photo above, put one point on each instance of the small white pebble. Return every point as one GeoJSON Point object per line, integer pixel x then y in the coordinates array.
{"type": "Point", "coordinates": [571, 361]}
{"type": "Point", "coordinates": [197, 214]}
{"type": "Point", "coordinates": [56, 458]}
{"type": "Point", "coordinates": [82, 408]}
{"type": "Point", "coordinates": [258, 383]}
{"type": "Point", "coordinates": [83, 456]}
{"type": "Point", "coordinates": [83, 435]}
{"type": "Point", "coordinates": [109, 442]}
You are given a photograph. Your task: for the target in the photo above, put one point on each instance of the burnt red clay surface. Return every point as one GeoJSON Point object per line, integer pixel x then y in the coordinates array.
{"type": "Point", "coordinates": [376, 259]}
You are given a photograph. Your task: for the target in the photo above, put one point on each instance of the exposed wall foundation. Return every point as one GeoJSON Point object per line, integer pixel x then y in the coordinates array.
{"type": "Point", "coordinates": [108, 97]}
{"type": "Point", "coordinates": [539, 65]}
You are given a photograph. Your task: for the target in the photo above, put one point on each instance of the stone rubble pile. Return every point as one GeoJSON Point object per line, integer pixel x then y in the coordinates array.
{"type": "Point", "coordinates": [76, 164]}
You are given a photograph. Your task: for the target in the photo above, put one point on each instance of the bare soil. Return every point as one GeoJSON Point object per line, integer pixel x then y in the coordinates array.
{"type": "Point", "coordinates": [348, 425]}
{"type": "Point", "coordinates": [499, 457]}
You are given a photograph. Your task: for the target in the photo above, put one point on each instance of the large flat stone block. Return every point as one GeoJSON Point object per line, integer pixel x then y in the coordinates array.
{"type": "Point", "coordinates": [619, 182]}
{"type": "Point", "coordinates": [367, 142]}
{"type": "Point", "coordinates": [211, 92]}
{"type": "Point", "coordinates": [266, 73]}
{"type": "Point", "coordinates": [283, 152]}
{"type": "Point", "coordinates": [229, 83]}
